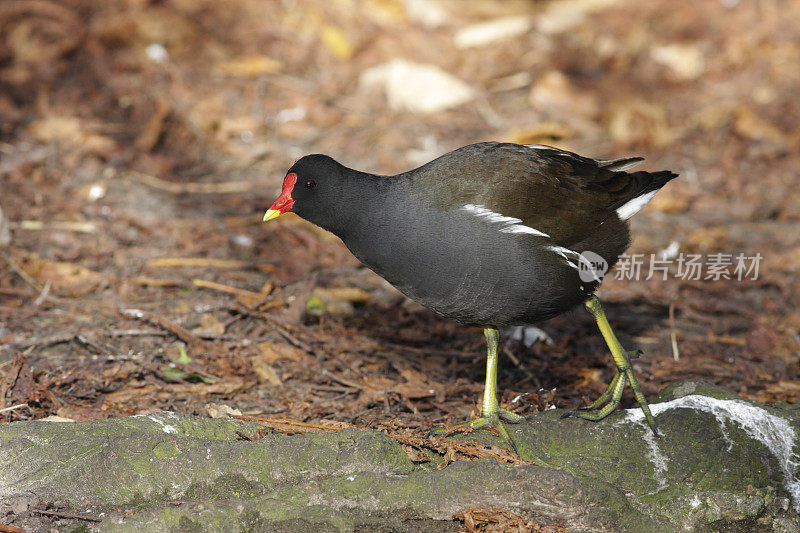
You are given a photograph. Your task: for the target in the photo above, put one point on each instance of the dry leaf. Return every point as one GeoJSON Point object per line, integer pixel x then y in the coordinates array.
{"type": "Point", "coordinates": [564, 15]}
{"type": "Point", "coordinates": [55, 129]}
{"type": "Point", "coordinates": [686, 61]}
{"type": "Point", "coordinates": [667, 202]}
{"type": "Point", "coordinates": [415, 455]}
{"type": "Point", "coordinates": [494, 520]}
{"type": "Point", "coordinates": [337, 42]}
{"type": "Point", "coordinates": [347, 294]}
{"type": "Point", "coordinates": [416, 386]}
{"type": "Point", "coordinates": [751, 126]}
{"type": "Point", "coordinates": [429, 13]}
{"type": "Point", "coordinates": [68, 279]}
{"type": "Point", "coordinates": [387, 12]}
{"type": "Point", "coordinates": [273, 351]}
{"type": "Point", "coordinates": [636, 122]}
{"type": "Point", "coordinates": [543, 133]}
{"type": "Point", "coordinates": [488, 32]}
{"type": "Point", "coordinates": [709, 238]}
{"type": "Point", "coordinates": [376, 383]}
{"type": "Point", "coordinates": [56, 418]}
{"type": "Point", "coordinates": [209, 325]}
{"type": "Point", "coordinates": [221, 410]}
{"type": "Point", "coordinates": [265, 371]}
{"type": "Point", "coordinates": [414, 391]}
{"type": "Point", "coordinates": [587, 377]}
{"type": "Point", "coordinates": [553, 92]}
{"type": "Point", "coordinates": [249, 66]}
{"type": "Point", "coordinates": [417, 87]}
{"type": "Point", "coordinates": [70, 131]}
{"type": "Point", "coordinates": [150, 134]}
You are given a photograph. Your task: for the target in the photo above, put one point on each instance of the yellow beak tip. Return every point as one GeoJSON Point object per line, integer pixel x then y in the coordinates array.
{"type": "Point", "coordinates": [270, 214]}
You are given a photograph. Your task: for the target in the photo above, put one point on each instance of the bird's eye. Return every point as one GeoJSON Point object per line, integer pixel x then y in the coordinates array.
{"type": "Point", "coordinates": [310, 184]}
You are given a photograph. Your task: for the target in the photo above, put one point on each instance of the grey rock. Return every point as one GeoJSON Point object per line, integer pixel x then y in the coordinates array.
{"type": "Point", "coordinates": [722, 463]}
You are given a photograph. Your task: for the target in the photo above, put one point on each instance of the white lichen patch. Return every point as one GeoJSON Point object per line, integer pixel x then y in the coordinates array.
{"type": "Point", "coordinates": [775, 433]}
{"type": "Point", "coordinates": [658, 459]}
{"type": "Point", "coordinates": [164, 426]}
{"type": "Point", "coordinates": [695, 502]}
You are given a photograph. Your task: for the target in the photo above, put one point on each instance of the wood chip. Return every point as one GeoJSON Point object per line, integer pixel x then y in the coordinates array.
{"type": "Point", "coordinates": [228, 289]}
{"type": "Point", "coordinates": [196, 262]}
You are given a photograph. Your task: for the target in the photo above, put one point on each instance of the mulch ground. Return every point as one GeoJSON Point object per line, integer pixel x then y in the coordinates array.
{"type": "Point", "coordinates": [140, 143]}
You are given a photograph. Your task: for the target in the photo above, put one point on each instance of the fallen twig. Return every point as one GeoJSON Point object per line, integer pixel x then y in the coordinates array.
{"type": "Point", "coordinates": [182, 333]}
{"type": "Point", "coordinates": [227, 289]}
{"type": "Point", "coordinates": [59, 514]}
{"type": "Point", "coordinates": [282, 330]}
{"type": "Point", "coordinates": [44, 294]}
{"type": "Point", "coordinates": [196, 262]}
{"type": "Point", "coordinates": [676, 354]}
{"type": "Point", "coordinates": [59, 225]}
{"type": "Point", "coordinates": [346, 382]}
{"type": "Point", "coordinates": [226, 187]}
{"type": "Point", "coordinates": [47, 341]}
{"type": "Point", "coordinates": [13, 407]}
{"type": "Point", "coordinates": [289, 426]}
{"type": "Point", "coordinates": [137, 333]}
{"type": "Point", "coordinates": [155, 282]}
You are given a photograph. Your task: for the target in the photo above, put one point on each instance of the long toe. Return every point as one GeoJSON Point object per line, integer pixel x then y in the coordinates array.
{"type": "Point", "coordinates": [510, 417]}
{"type": "Point", "coordinates": [494, 420]}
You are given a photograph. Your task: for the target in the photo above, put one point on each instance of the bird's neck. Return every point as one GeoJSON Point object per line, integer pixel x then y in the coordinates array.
{"type": "Point", "coordinates": [359, 203]}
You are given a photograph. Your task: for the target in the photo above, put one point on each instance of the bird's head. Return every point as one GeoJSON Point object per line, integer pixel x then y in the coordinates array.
{"type": "Point", "coordinates": [310, 189]}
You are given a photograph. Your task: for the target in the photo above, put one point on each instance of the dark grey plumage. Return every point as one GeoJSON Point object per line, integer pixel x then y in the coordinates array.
{"type": "Point", "coordinates": [488, 234]}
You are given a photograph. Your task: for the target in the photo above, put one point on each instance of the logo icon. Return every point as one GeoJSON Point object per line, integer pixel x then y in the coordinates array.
{"type": "Point", "coordinates": [591, 267]}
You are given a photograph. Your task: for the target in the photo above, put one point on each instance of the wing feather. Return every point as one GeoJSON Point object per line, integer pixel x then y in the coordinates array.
{"type": "Point", "coordinates": [560, 193]}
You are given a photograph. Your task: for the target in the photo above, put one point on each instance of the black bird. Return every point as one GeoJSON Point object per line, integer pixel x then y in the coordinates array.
{"type": "Point", "coordinates": [491, 235]}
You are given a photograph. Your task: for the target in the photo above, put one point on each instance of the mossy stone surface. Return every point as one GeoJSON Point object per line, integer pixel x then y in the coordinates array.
{"type": "Point", "coordinates": [707, 471]}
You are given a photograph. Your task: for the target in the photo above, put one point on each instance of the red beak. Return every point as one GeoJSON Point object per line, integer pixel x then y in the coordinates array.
{"type": "Point", "coordinates": [284, 202]}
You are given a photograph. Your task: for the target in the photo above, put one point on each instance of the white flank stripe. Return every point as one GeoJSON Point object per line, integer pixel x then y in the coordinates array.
{"type": "Point", "coordinates": [579, 259]}
{"type": "Point", "coordinates": [510, 224]}
{"type": "Point", "coordinates": [560, 250]}
{"type": "Point", "coordinates": [633, 206]}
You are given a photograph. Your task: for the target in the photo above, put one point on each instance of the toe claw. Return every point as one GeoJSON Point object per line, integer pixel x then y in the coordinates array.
{"type": "Point", "coordinates": [634, 354]}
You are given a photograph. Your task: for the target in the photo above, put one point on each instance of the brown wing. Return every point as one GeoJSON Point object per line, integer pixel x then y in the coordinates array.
{"type": "Point", "coordinates": [553, 191]}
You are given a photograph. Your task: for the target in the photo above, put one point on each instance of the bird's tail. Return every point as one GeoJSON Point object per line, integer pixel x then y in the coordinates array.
{"type": "Point", "coordinates": [649, 184]}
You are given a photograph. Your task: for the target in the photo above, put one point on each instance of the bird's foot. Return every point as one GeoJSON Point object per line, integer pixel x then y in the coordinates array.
{"type": "Point", "coordinates": [499, 413]}
{"type": "Point", "coordinates": [494, 419]}
{"type": "Point", "coordinates": [610, 399]}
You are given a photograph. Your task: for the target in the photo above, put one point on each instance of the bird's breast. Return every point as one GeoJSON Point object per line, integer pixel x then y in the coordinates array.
{"type": "Point", "coordinates": [464, 266]}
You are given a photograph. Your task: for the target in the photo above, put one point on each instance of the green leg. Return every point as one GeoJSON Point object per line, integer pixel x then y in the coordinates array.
{"type": "Point", "coordinates": [611, 397]}
{"type": "Point", "coordinates": [492, 415]}
{"type": "Point", "coordinates": [491, 412]}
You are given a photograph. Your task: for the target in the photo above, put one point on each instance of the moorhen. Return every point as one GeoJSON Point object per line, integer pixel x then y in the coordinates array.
{"type": "Point", "coordinates": [491, 235]}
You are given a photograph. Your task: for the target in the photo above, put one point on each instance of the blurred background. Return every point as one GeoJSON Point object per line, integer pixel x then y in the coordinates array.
{"type": "Point", "coordinates": [141, 141]}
